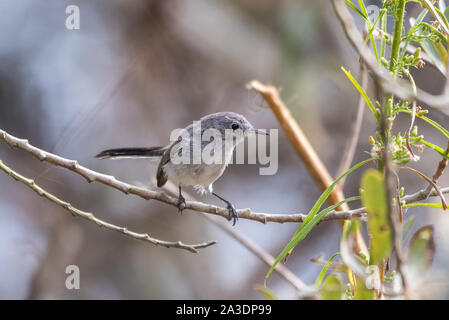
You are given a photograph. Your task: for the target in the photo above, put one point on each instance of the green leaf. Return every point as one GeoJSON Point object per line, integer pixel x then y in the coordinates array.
{"type": "Point", "coordinates": [414, 23]}
{"type": "Point", "coordinates": [421, 251]}
{"type": "Point", "coordinates": [327, 193]}
{"type": "Point", "coordinates": [267, 293]}
{"type": "Point", "coordinates": [443, 19]}
{"type": "Point", "coordinates": [362, 292]}
{"type": "Point", "coordinates": [374, 26]}
{"type": "Point", "coordinates": [431, 122]}
{"type": "Point", "coordinates": [369, 26]}
{"type": "Point", "coordinates": [333, 288]}
{"type": "Point", "coordinates": [360, 90]}
{"type": "Point", "coordinates": [437, 14]}
{"type": "Point", "coordinates": [383, 41]}
{"type": "Point", "coordinates": [431, 205]}
{"type": "Point", "coordinates": [374, 198]}
{"type": "Point", "coordinates": [363, 8]}
{"type": "Point", "coordinates": [357, 10]}
{"type": "Point", "coordinates": [313, 218]}
{"type": "Point", "coordinates": [436, 51]}
{"type": "Point", "coordinates": [418, 20]}
{"type": "Point", "coordinates": [446, 13]}
{"type": "Point", "coordinates": [443, 8]}
{"type": "Point", "coordinates": [324, 270]}
{"type": "Point", "coordinates": [429, 145]}
{"type": "Point", "coordinates": [304, 230]}
{"type": "Point", "coordinates": [436, 54]}
{"type": "Point", "coordinates": [433, 30]}
{"type": "Point", "coordinates": [362, 12]}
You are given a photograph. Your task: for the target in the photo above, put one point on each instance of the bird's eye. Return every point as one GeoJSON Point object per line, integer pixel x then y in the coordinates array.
{"type": "Point", "coordinates": [235, 126]}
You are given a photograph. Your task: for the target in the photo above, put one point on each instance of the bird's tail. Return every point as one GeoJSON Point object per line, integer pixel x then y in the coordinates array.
{"type": "Point", "coordinates": [131, 153]}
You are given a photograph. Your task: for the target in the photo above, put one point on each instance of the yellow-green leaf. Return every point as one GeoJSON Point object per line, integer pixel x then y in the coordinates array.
{"type": "Point", "coordinates": [267, 293]}
{"type": "Point", "coordinates": [332, 288]}
{"type": "Point", "coordinates": [374, 198]}
{"type": "Point", "coordinates": [361, 292]}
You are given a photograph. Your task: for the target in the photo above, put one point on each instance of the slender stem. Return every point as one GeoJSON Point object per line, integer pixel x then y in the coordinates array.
{"type": "Point", "coordinates": [385, 133]}
{"type": "Point", "coordinates": [396, 45]}
{"type": "Point", "coordinates": [433, 205]}
{"type": "Point", "coordinates": [383, 41]}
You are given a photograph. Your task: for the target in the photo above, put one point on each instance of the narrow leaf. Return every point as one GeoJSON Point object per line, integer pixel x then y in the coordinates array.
{"type": "Point", "coordinates": [267, 293]}
{"type": "Point", "coordinates": [332, 288]}
{"type": "Point", "coordinates": [311, 220]}
{"type": "Point", "coordinates": [360, 90]}
{"type": "Point", "coordinates": [362, 292]}
{"type": "Point", "coordinates": [446, 13]}
{"type": "Point", "coordinates": [324, 270]}
{"type": "Point", "coordinates": [436, 54]}
{"type": "Point", "coordinates": [353, 7]}
{"type": "Point", "coordinates": [431, 205]}
{"type": "Point", "coordinates": [437, 14]}
{"type": "Point", "coordinates": [429, 145]}
{"type": "Point", "coordinates": [303, 230]}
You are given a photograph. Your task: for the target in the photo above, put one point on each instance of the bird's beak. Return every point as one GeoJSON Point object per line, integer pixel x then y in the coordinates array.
{"type": "Point", "coordinates": [258, 131]}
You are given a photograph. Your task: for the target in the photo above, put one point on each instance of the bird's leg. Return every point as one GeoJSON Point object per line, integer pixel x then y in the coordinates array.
{"type": "Point", "coordinates": [181, 201]}
{"type": "Point", "coordinates": [232, 211]}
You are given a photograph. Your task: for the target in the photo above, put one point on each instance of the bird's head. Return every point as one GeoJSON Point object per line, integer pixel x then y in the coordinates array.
{"type": "Point", "coordinates": [230, 122]}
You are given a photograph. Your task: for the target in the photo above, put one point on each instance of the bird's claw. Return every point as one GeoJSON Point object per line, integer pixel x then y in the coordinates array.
{"type": "Point", "coordinates": [233, 213]}
{"type": "Point", "coordinates": [181, 203]}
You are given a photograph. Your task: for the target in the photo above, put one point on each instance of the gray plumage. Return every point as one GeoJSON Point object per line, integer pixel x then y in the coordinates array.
{"type": "Point", "coordinates": [199, 175]}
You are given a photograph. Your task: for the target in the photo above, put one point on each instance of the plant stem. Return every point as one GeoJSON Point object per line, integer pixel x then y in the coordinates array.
{"type": "Point", "coordinates": [394, 57]}
{"type": "Point", "coordinates": [385, 127]}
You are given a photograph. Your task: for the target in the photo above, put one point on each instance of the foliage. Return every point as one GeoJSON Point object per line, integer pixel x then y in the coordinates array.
{"type": "Point", "coordinates": [427, 34]}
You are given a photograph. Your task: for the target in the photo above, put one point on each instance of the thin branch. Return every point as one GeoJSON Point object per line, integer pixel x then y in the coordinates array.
{"type": "Point", "coordinates": [422, 195]}
{"type": "Point", "coordinates": [147, 194]}
{"type": "Point", "coordinates": [89, 216]}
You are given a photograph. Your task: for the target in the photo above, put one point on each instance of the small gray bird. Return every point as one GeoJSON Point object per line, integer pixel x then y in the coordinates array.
{"type": "Point", "coordinates": [193, 171]}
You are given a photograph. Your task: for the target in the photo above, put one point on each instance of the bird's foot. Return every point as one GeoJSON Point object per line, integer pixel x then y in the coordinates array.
{"type": "Point", "coordinates": [233, 213]}
{"type": "Point", "coordinates": [181, 203]}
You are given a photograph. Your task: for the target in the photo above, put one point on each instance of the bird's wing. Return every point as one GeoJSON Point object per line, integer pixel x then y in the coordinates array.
{"type": "Point", "coordinates": [161, 175]}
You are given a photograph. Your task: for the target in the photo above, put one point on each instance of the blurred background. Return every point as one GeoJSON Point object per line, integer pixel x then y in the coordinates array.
{"type": "Point", "coordinates": [131, 73]}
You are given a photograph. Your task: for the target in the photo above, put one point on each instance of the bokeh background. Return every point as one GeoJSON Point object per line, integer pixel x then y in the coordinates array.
{"type": "Point", "coordinates": [134, 71]}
